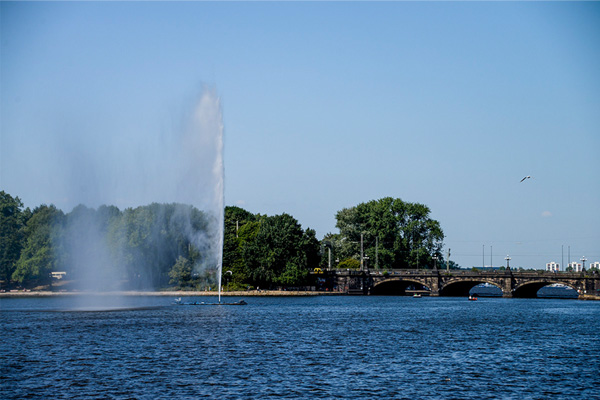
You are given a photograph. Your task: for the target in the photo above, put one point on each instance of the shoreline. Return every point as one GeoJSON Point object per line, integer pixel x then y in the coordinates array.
{"type": "Point", "coordinates": [174, 293]}
{"type": "Point", "coordinates": [188, 293]}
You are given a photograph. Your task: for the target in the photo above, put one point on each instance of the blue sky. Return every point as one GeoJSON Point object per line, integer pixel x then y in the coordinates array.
{"type": "Point", "coordinates": [325, 105]}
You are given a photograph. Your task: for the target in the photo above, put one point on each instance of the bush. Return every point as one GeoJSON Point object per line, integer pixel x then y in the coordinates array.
{"type": "Point", "coordinates": [349, 263]}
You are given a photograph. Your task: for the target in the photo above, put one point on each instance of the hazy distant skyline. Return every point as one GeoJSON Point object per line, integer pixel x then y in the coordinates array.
{"type": "Point", "coordinates": [325, 106]}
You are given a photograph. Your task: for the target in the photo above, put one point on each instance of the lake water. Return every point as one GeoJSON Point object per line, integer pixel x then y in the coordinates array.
{"type": "Point", "coordinates": [302, 347]}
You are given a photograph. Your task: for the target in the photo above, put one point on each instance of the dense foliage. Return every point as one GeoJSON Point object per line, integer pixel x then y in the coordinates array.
{"type": "Point", "coordinates": [267, 251]}
{"type": "Point", "coordinates": [395, 234]}
{"type": "Point", "coordinates": [170, 245]}
{"type": "Point", "coordinates": [12, 233]}
{"type": "Point", "coordinates": [151, 247]}
{"type": "Point", "coordinates": [39, 256]}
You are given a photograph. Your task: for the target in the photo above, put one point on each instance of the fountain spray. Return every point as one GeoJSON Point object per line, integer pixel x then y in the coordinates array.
{"type": "Point", "coordinates": [207, 138]}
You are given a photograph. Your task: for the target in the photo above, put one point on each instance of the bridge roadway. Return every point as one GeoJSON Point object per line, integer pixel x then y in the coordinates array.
{"type": "Point", "coordinates": [513, 283]}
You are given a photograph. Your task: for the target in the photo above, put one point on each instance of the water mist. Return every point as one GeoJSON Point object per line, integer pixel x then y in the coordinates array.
{"type": "Point", "coordinates": [181, 166]}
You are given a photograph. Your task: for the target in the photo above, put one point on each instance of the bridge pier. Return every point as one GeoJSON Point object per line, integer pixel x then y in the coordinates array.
{"type": "Point", "coordinates": [434, 284]}
{"type": "Point", "coordinates": [508, 284]}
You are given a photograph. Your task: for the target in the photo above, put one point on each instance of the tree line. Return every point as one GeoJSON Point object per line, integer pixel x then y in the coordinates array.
{"type": "Point", "coordinates": [161, 246]}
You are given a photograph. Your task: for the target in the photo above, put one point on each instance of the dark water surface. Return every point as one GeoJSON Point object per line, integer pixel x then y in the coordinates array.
{"type": "Point", "coordinates": [309, 347]}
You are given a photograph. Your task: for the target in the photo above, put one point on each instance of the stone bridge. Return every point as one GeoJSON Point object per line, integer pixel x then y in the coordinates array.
{"type": "Point", "coordinates": [454, 282]}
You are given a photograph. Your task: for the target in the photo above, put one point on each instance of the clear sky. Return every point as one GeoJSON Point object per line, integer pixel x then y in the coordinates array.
{"type": "Point", "coordinates": [325, 106]}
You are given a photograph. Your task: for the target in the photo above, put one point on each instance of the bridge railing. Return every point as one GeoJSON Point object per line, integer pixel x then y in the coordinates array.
{"type": "Point", "coordinates": [455, 272]}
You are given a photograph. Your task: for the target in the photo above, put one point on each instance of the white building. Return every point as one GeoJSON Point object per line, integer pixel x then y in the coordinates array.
{"type": "Point", "coordinates": [58, 275]}
{"type": "Point", "coordinates": [595, 265]}
{"type": "Point", "coordinates": [553, 266]}
{"type": "Point", "coordinates": [576, 266]}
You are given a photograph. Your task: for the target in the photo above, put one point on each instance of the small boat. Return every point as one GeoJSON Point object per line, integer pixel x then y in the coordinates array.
{"type": "Point", "coordinates": [472, 298]}
{"type": "Point", "coordinates": [417, 295]}
{"type": "Point", "coordinates": [201, 303]}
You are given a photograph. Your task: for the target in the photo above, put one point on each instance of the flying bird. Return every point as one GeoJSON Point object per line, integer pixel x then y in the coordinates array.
{"type": "Point", "coordinates": [527, 177]}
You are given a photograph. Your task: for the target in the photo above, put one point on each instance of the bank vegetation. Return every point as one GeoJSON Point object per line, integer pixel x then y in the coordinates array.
{"type": "Point", "coordinates": [168, 246]}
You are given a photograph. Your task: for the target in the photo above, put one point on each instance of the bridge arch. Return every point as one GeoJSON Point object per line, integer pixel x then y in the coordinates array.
{"type": "Point", "coordinates": [462, 287]}
{"type": "Point", "coordinates": [396, 286]}
{"type": "Point", "coordinates": [530, 289]}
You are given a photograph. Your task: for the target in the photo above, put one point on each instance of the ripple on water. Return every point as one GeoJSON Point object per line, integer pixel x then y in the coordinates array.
{"type": "Point", "coordinates": [330, 347]}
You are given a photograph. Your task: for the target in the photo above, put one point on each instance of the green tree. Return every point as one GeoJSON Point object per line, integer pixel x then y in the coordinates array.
{"type": "Point", "coordinates": [397, 234]}
{"type": "Point", "coordinates": [281, 253]}
{"type": "Point", "coordinates": [39, 256]}
{"type": "Point", "coordinates": [13, 220]}
{"type": "Point", "coordinates": [349, 263]}
{"type": "Point", "coordinates": [181, 273]}
{"type": "Point", "coordinates": [148, 240]}
{"type": "Point", "coordinates": [241, 228]}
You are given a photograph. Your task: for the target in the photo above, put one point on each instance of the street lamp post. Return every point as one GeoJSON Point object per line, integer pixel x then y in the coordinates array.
{"type": "Point", "coordinates": [362, 262]}
{"type": "Point", "coordinates": [435, 263]}
{"type": "Point", "coordinates": [483, 257]}
{"type": "Point", "coordinates": [583, 260]}
{"type": "Point", "coordinates": [507, 258]}
{"type": "Point", "coordinates": [376, 252]}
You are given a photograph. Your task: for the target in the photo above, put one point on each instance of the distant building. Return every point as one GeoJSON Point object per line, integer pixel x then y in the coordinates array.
{"type": "Point", "coordinates": [576, 266]}
{"type": "Point", "coordinates": [553, 266]}
{"type": "Point", "coordinates": [58, 275]}
{"type": "Point", "coordinates": [595, 265]}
